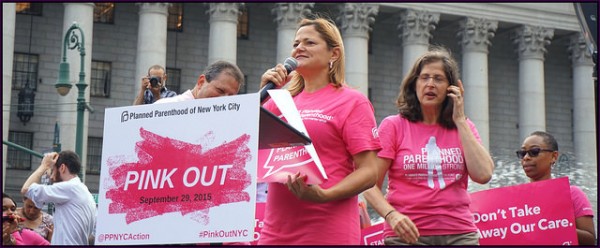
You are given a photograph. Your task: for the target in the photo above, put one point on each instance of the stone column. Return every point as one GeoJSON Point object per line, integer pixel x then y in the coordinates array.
{"type": "Point", "coordinates": [475, 36]}
{"type": "Point", "coordinates": [531, 42]}
{"type": "Point", "coordinates": [287, 16]}
{"type": "Point", "coordinates": [83, 14]}
{"type": "Point", "coordinates": [222, 40]}
{"type": "Point", "coordinates": [152, 39]}
{"type": "Point", "coordinates": [584, 127]}
{"type": "Point", "coordinates": [8, 49]}
{"type": "Point", "coordinates": [356, 20]}
{"type": "Point", "coordinates": [416, 26]}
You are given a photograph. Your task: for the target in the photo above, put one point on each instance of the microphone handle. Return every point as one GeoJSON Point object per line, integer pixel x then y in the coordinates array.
{"type": "Point", "coordinates": [270, 85]}
{"type": "Point", "coordinates": [263, 92]}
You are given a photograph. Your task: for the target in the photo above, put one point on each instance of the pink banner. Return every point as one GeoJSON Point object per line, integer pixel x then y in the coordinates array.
{"type": "Point", "coordinates": [274, 165]}
{"type": "Point", "coordinates": [372, 235]}
{"type": "Point", "coordinates": [160, 181]}
{"type": "Point", "coordinates": [539, 213]}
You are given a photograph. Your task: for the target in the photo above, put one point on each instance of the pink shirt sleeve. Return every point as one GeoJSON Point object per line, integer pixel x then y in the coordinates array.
{"type": "Point", "coordinates": [388, 134]}
{"type": "Point", "coordinates": [474, 130]}
{"type": "Point", "coordinates": [581, 204]}
{"type": "Point", "coordinates": [360, 130]}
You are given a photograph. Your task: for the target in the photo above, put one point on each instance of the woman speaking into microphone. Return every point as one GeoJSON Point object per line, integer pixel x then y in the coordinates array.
{"type": "Point", "coordinates": [342, 126]}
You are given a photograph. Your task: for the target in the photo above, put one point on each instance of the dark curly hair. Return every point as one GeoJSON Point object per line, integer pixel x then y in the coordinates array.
{"type": "Point", "coordinates": [408, 103]}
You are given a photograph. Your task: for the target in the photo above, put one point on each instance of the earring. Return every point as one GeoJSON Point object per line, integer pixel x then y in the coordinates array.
{"type": "Point", "coordinates": [330, 64]}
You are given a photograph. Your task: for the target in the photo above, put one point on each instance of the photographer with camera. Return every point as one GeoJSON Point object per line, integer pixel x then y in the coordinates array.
{"type": "Point", "coordinates": [153, 86]}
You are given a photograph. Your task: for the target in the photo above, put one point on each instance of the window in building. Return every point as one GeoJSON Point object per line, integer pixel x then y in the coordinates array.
{"type": "Point", "coordinates": [16, 159]}
{"type": "Point", "coordinates": [243, 26]}
{"type": "Point", "coordinates": [29, 8]}
{"type": "Point", "coordinates": [100, 79]}
{"type": "Point", "coordinates": [174, 80]}
{"type": "Point", "coordinates": [94, 155]}
{"type": "Point", "coordinates": [104, 13]}
{"type": "Point", "coordinates": [175, 19]}
{"type": "Point", "coordinates": [25, 70]}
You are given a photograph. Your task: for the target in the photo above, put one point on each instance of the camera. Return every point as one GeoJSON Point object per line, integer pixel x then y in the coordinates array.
{"type": "Point", "coordinates": [154, 81]}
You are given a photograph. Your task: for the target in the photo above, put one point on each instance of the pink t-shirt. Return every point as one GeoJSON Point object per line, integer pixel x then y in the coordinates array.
{"type": "Point", "coordinates": [428, 176]}
{"type": "Point", "coordinates": [29, 237]}
{"type": "Point", "coordinates": [581, 204]}
{"type": "Point", "coordinates": [340, 123]}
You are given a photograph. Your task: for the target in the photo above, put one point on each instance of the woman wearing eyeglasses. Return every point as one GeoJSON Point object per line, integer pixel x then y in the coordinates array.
{"type": "Point", "coordinates": [538, 155]}
{"type": "Point", "coordinates": [429, 150]}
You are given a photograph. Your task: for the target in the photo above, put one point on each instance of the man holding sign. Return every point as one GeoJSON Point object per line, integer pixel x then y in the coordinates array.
{"type": "Point", "coordinates": [220, 78]}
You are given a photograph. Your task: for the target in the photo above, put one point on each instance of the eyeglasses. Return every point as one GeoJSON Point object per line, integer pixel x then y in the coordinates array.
{"type": "Point", "coordinates": [438, 79]}
{"type": "Point", "coordinates": [533, 152]}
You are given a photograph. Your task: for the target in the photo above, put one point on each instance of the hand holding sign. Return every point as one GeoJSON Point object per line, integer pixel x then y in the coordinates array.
{"type": "Point", "coordinates": [297, 185]}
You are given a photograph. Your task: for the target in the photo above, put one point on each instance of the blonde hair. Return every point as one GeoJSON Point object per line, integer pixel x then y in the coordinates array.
{"type": "Point", "coordinates": [332, 36]}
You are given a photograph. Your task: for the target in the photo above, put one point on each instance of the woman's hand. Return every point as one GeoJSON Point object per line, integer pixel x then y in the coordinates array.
{"type": "Point", "coordinates": [49, 160]}
{"type": "Point", "coordinates": [480, 165]}
{"type": "Point", "coordinates": [9, 227]}
{"type": "Point", "coordinates": [297, 185]}
{"type": "Point", "coordinates": [455, 92]}
{"type": "Point", "coordinates": [278, 75]}
{"type": "Point", "coordinates": [50, 229]}
{"type": "Point", "coordinates": [403, 227]}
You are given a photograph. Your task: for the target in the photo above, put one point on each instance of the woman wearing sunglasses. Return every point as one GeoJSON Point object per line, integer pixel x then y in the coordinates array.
{"type": "Point", "coordinates": [538, 155]}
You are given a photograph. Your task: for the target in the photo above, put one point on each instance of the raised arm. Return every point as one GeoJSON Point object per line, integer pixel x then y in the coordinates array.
{"type": "Point", "coordinates": [479, 162]}
{"type": "Point", "coordinates": [47, 162]}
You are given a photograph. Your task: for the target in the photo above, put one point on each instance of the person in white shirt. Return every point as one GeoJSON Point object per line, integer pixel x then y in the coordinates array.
{"type": "Point", "coordinates": [75, 216]}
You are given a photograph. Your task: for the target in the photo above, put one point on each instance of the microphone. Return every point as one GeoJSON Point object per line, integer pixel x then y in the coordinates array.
{"type": "Point", "coordinates": [290, 64]}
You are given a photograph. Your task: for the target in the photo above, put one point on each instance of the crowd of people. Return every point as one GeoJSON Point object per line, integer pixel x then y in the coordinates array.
{"type": "Point", "coordinates": [427, 202]}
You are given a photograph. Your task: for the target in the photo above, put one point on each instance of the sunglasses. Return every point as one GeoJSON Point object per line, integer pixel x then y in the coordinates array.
{"type": "Point", "coordinates": [533, 152]}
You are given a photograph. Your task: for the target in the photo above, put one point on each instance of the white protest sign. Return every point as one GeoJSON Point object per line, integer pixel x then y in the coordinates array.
{"type": "Point", "coordinates": [180, 172]}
